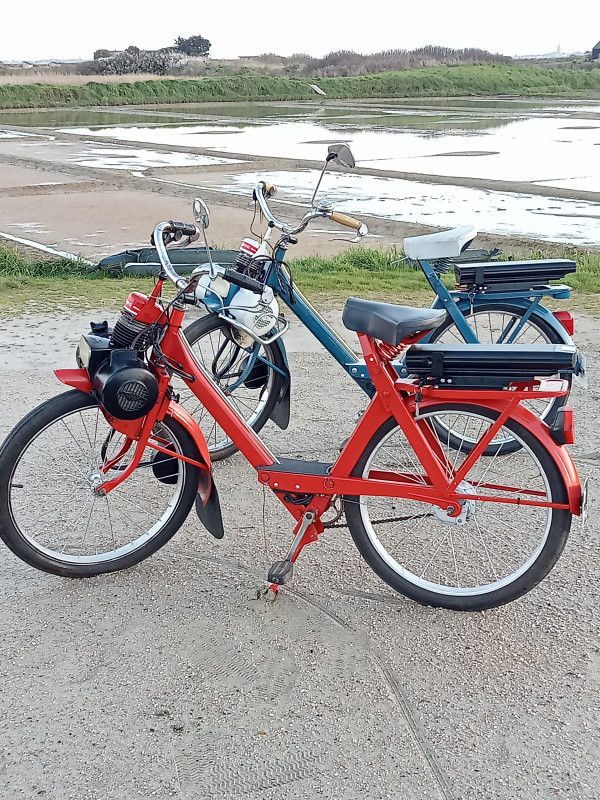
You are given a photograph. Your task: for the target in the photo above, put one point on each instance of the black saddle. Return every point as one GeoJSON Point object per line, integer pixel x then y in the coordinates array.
{"type": "Point", "coordinates": [388, 322]}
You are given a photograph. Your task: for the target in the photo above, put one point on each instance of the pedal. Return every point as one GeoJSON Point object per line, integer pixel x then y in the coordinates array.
{"type": "Point", "coordinates": [281, 572]}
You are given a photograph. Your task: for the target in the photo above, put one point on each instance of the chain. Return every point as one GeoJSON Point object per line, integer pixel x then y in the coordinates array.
{"type": "Point", "coordinates": [381, 521]}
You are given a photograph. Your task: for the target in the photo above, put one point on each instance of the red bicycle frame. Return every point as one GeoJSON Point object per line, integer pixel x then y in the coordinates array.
{"type": "Point", "coordinates": [307, 488]}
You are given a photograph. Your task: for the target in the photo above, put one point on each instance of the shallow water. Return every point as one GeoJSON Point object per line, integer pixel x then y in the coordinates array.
{"type": "Point", "coordinates": [135, 159]}
{"type": "Point", "coordinates": [505, 213]}
{"type": "Point", "coordinates": [489, 139]}
{"type": "Point", "coordinates": [550, 143]}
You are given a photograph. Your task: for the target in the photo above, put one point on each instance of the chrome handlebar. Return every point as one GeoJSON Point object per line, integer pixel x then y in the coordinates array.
{"type": "Point", "coordinates": [262, 202]}
{"type": "Point", "coordinates": [191, 231]}
{"type": "Point", "coordinates": [328, 212]}
{"type": "Point", "coordinates": [176, 230]}
{"type": "Point", "coordinates": [210, 268]}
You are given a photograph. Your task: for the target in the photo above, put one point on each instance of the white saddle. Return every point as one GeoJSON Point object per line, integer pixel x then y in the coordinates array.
{"type": "Point", "coordinates": [445, 244]}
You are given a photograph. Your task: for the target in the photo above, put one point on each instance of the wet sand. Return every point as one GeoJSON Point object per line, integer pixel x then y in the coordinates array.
{"type": "Point", "coordinates": [48, 195]}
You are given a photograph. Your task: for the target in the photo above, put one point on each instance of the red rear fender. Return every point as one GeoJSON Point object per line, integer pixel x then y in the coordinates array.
{"type": "Point", "coordinates": [559, 453]}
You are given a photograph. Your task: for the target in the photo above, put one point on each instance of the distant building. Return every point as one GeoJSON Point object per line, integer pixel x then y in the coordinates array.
{"type": "Point", "coordinates": [596, 52]}
{"type": "Point", "coordinates": [49, 62]}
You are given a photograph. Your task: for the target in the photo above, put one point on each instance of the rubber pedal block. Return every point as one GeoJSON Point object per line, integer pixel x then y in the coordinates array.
{"type": "Point", "coordinates": [281, 572]}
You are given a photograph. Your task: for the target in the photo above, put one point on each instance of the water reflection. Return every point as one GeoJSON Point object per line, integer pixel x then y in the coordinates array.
{"type": "Point", "coordinates": [532, 149]}
{"type": "Point", "coordinates": [547, 218]}
{"type": "Point", "coordinates": [394, 113]}
{"type": "Point", "coordinates": [61, 117]}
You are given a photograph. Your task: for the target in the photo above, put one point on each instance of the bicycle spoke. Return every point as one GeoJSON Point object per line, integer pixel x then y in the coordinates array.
{"type": "Point", "coordinates": [487, 547]}
{"type": "Point", "coordinates": [59, 512]}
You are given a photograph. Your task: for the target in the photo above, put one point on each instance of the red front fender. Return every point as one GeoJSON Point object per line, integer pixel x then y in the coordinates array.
{"type": "Point", "coordinates": [77, 378]}
{"type": "Point", "coordinates": [189, 423]}
{"type": "Point", "coordinates": [208, 506]}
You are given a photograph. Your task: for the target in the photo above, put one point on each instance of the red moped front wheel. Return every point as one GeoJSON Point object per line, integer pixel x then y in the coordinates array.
{"type": "Point", "coordinates": [50, 514]}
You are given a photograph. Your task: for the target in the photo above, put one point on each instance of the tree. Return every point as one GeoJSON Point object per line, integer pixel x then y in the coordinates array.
{"type": "Point", "coordinates": [194, 46]}
{"type": "Point", "coordinates": [103, 53]}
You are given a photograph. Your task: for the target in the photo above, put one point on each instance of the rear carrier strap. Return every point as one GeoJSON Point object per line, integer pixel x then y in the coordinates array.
{"type": "Point", "coordinates": [488, 366]}
{"type": "Point", "coordinates": [499, 275]}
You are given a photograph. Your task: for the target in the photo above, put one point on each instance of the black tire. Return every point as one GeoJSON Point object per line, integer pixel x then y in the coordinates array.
{"type": "Point", "coordinates": [501, 551]}
{"type": "Point", "coordinates": [50, 516]}
{"type": "Point", "coordinates": [210, 337]}
{"type": "Point", "coordinates": [487, 321]}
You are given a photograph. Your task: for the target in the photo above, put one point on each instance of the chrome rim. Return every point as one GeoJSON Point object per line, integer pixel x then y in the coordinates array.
{"type": "Point", "coordinates": [496, 545]}
{"type": "Point", "coordinates": [52, 498]}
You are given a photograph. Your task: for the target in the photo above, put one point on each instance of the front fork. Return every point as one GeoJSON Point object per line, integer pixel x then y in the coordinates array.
{"type": "Point", "coordinates": [139, 432]}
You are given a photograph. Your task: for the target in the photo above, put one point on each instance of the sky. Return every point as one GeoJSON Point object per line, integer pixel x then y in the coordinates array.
{"type": "Point", "coordinates": [38, 29]}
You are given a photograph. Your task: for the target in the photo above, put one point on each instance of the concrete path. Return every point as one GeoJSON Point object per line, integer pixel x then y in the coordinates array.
{"type": "Point", "coordinates": [172, 679]}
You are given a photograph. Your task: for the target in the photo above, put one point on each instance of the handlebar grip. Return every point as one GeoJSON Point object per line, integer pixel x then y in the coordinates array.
{"type": "Point", "coordinates": [344, 219]}
{"type": "Point", "coordinates": [267, 190]}
{"type": "Point", "coordinates": [184, 228]}
{"type": "Point", "coordinates": [243, 281]}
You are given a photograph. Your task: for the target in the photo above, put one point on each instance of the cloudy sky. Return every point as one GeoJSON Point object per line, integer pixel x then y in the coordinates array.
{"type": "Point", "coordinates": [37, 29]}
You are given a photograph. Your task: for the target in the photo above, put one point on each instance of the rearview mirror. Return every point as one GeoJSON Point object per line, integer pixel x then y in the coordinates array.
{"type": "Point", "coordinates": [335, 152]}
{"type": "Point", "coordinates": [342, 154]}
{"type": "Point", "coordinates": [201, 214]}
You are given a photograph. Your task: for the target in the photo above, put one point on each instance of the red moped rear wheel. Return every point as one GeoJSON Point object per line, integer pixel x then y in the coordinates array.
{"type": "Point", "coordinates": [496, 552]}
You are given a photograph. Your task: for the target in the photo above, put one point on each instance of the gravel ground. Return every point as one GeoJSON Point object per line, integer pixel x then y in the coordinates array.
{"type": "Point", "coordinates": [172, 680]}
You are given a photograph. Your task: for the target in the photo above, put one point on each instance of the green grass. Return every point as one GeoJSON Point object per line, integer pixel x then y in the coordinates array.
{"type": "Point", "coordinates": [359, 270]}
{"type": "Point", "coordinates": [473, 79]}
{"type": "Point", "coordinates": [16, 266]}
{"type": "Point", "coordinates": [38, 284]}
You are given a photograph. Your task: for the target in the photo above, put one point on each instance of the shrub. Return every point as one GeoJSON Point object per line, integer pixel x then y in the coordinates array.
{"type": "Point", "coordinates": [133, 61]}
{"type": "Point", "coordinates": [194, 46]}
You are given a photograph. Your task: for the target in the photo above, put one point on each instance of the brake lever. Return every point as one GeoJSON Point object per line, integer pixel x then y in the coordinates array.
{"type": "Point", "coordinates": [360, 235]}
{"type": "Point", "coordinates": [185, 243]}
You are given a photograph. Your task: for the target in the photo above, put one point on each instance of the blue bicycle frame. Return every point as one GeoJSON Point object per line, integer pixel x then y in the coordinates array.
{"type": "Point", "coordinates": [457, 303]}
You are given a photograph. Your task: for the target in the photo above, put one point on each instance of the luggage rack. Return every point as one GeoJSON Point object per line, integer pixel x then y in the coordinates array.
{"type": "Point", "coordinates": [487, 366]}
{"type": "Point", "coordinates": [499, 276]}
